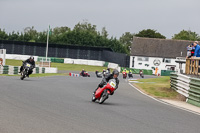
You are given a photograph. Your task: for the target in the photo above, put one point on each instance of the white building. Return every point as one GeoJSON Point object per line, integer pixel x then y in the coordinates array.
{"type": "Point", "coordinates": [149, 53]}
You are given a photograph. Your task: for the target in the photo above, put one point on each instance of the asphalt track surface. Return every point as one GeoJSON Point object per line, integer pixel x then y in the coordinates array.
{"type": "Point", "coordinates": [62, 104]}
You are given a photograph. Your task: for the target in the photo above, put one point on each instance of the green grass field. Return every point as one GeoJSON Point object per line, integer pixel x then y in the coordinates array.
{"type": "Point", "coordinates": [157, 87]}
{"type": "Point", "coordinates": [61, 66]}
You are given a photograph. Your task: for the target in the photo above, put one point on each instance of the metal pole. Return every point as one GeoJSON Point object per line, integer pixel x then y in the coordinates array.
{"type": "Point", "coordinates": [47, 43]}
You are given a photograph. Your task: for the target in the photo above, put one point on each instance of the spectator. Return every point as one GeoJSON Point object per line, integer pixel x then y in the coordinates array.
{"type": "Point", "coordinates": [197, 49]}
{"type": "Point", "coordinates": [190, 51]}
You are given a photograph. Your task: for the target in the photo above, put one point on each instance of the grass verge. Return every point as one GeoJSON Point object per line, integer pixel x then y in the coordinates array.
{"type": "Point", "coordinates": [76, 67]}
{"type": "Point", "coordinates": [40, 75]}
{"type": "Point", "coordinates": [62, 66]}
{"type": "Point", "coordinates": [157, 87]}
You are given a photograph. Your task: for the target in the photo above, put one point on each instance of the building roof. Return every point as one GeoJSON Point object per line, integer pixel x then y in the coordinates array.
{"type": "Point", "coordinates": [164, 48]}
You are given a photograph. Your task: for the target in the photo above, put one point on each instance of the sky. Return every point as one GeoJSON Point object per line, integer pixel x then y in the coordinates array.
{"type": "Point", "coordinates": [167, 17]}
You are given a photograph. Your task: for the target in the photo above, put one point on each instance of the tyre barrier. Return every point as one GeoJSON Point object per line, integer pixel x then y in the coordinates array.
{"type": "Point", "coordinates": [12, 70]}
{"type": "Point", "coordinates": [186, 86]}
{"type": "Point", "coordinates": [74, 75]}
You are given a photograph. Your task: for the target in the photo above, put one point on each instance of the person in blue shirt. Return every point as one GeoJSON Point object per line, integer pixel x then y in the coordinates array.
{"type": "Point", "coordinates": [196, 52]}
{"type": "Point", "coordinates": [197, 49]}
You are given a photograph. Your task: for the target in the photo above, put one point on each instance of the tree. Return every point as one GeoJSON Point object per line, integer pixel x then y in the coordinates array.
{"type": "Point", "coordinates": [3, 35]}
{"type": "Point", "coordinates": [104, 33]}
{"type": "Point", "coordinates": [149, 33]}
{"type": "Point", "coordinates": [30, 34]}
{"type": "Point", "coordinates": [85, 26]}
{"type": "Point", "coordinates": [14, 36]}
{"type": "Point", "coordinates": [127, 39]}
{"type": "Point", "coordinates": [83, 34]}
{"type": "Point", "coordinates": [186, 35]}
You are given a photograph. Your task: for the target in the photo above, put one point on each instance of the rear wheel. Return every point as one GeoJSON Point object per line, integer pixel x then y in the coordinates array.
{"type": "Point", "coordinates": [23, 73]}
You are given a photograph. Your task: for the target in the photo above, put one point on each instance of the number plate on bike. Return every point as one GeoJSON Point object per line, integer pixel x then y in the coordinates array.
{"type": "Point", "coordinates": [113, 84]}
{"type": "Point", "coordinates": [28, 65]}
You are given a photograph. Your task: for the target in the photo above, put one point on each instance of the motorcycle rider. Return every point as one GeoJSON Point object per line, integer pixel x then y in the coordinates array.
{"type": "Point", "coordinates": [114, 75]}
{"type": "Point", "coordinates": [104, 72]}
{"type": "Point", "coordinates": [141, 73]}
{"type": "Point", "coordinates": [83, 72]}
{"type": "Point", "coordinates": [108, 71]}
{"type": "Point", "coordinates": [30, 61]}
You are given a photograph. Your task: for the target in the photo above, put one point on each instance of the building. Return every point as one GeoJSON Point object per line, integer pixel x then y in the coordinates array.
{"type": "Point", "coordinates": [151, 53]}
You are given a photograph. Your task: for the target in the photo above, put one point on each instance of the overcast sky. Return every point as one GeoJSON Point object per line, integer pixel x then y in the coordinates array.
{"type": "Point", "coordinates": [168, 17]}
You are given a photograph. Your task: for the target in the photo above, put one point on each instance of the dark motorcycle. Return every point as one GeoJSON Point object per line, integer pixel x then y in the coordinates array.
{"type": "Point", "coordinates": [141, 74]}
{"type": "Point", "coordinates": [24, 72]}
{"type": "Point", "coordinates": [103, 93]}
{"type": "Point", "coordinates": [130, 75]}
{"type": "Point", "coordinates": [98, 74]}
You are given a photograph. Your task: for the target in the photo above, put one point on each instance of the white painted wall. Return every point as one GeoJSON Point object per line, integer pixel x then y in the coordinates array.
{"type": "Point", "coordinates": [151, 63]}
{"type": "Point", "coordinates": [51, 70]}
{"type": "Point", "coordinates": [19, 57]}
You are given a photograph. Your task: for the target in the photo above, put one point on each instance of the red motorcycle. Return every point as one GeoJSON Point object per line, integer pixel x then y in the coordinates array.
{"type": "Point", "coordinates": [103, 93]}
{"type": "Point", "coordinates": [85, 74]}
{"type": "Point", "coordinates": [124, 75]}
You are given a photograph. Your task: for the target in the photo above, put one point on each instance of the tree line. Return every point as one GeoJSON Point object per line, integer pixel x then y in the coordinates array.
{"type": "Point", "coordinates": [86, 34]}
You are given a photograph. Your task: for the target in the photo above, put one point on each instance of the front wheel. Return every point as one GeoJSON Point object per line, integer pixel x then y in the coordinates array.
{"type": "Point", "coordinates": [103, 97]}
{"type": "Point", "coordinates": [93, 98]}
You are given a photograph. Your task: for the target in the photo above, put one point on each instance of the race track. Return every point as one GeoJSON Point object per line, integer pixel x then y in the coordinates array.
{"type": "Point", "coordinates": [62, 104]}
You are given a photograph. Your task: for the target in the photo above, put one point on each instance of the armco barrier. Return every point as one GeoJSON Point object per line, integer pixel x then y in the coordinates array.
{"type": "Point", "coordinates": [187, 86]}
{"type": "Point", "coordinates": [137, 71]}
{"type": "Point", "coordinates": [166, 72]}
{"type": "Point", "coordinates": [194, 92]}
{"type": "Point", "coordinates": [11, 70]}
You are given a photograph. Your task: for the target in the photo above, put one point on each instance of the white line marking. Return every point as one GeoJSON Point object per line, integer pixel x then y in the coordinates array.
{"type": "Point", "coordinates": [164, 102]}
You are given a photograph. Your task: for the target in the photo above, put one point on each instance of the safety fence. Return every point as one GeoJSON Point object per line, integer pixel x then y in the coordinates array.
{"type": "Point", "coordinates": [12, 70]}
{"type": "Point", "coordinates": [186, 86]}
{"type": "Point", "coordinates": [65, 51]}
{"type": "Point", "coordinates": [137, 71]}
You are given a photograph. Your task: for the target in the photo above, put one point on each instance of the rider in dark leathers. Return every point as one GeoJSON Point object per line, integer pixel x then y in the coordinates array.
{"type": "Point", "coordinates": [30, 61]}
{"type": "Point", "coordinates": [114, 75]}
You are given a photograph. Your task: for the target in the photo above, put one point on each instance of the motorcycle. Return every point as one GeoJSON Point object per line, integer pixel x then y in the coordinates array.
{"type": "Point", "coordinates": [124, 75]}
{"type": "Point", "coordinates": [141, 75]}
{"type": "Point", "coordinates": [98, 74]}
{"type": "Point", "coordinates": [24, 72]}
{"type": "Point", "coordinates": [103, 93]}
{"type": "Point", "coordinates": [130, 75]}
{"type": "Point", "coordinates": [85, 74]}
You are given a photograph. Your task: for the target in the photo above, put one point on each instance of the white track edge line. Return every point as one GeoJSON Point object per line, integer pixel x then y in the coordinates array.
{"type": "Point", "coordinates": [165, 102]}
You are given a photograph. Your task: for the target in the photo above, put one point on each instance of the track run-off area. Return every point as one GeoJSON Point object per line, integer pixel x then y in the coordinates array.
{"type": "Point", "coordinates": [62, 104]}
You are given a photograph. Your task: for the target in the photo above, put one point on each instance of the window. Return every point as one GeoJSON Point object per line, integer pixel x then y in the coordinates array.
{"type": "Point", "coordinates": [166, 60]}
{"type": "Point", "coordinates": [133, 62]}
{"type": "Point", "coordinates": [143, 58]}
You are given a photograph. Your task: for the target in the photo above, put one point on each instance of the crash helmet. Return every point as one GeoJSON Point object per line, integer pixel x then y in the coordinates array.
{"type": "Point", "coordinates": [31, 58]}
{"type": "Point", "coordinates": [115, 72]}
